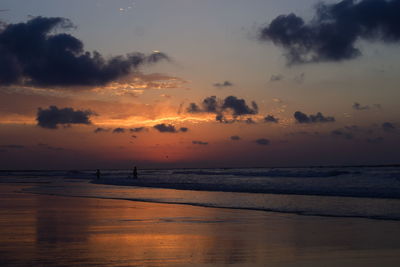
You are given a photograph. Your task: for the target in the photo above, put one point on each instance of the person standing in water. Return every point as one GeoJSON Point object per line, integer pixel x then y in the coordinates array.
{"type": "Point", "coordinates": [98, 174]}
{"type": "Point", "coordinates": [135, 173]}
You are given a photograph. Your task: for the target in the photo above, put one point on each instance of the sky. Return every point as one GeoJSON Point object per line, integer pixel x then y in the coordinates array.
{"type": "Point", "coordinates": [211, 83]}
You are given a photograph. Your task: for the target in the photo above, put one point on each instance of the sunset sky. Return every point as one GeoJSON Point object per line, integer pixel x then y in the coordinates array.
{"type": "Point", "coordinates": [206, 83]}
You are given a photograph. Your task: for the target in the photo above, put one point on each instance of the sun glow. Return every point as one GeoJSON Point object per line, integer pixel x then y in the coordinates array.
{"type": "Point", "coordinates": [145, 121]}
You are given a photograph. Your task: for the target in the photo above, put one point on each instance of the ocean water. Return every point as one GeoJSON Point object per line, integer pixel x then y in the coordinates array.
{"type": "Point", "coordinates": [371, 192]}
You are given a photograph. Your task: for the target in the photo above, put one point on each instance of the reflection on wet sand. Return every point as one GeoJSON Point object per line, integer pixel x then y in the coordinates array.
{"type": "Point", "coordinates": [38, 230]}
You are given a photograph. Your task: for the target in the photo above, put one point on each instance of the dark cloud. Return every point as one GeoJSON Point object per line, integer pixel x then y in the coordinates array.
{"type": "Point", "coordinates": [262, 141]}
{"type": "Point", "coordinates": [304, 133]}
{"type": "Point", "coordinates": [235, 138]}
{"type": "Point", "coordinates": [119, 130]}
{"type": "Point", "coordinates": [138, 130]}
{"type": "Point", "coordinates": [31, 53]}
{"type": "Point", "coordinates": [210, 104]}
{"type": "Point", "coordinates": [303, 118]}
{"type": "Point", "coordinates": [236, 106]}
{"type": "Point", "coordinates": [342, 134]}
{"type": "Point", "coordinates": [221, 118]}
{"type": "Point", "coordinates": [156, 57]}
{"type": "Point", "coordinates": [388, 127]}
{"type": "Point", "coordinates": [51, 117]}
{"type": "Point", "coordinates": [165, 128]}
{"type": "Point", "coordinates": [194, 108]}
{"type": "Point", "coordinates": [270, 118]}
{"type": "Point", "coordinates": [276, 78]}
{"type": "Point", "coordinates": [239, 106]}
{"type": "Point", "coordinates": [358, 106]}
{"type": "Point", "coordinates": [199, 143]}
{"type": "Point", "coordinates": [169, 128]}
{"type": "Point", "coordinates": [334, 30]}
{"type": "Point", "coordinates": [224, 84]}
{"type": "Point", "coordinates": [101, 130]}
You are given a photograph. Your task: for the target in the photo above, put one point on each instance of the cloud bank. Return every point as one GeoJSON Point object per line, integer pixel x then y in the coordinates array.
{"type": "Point", "coordinates": [334, 31]}
{"type": "Point", "coordinates": [53, 116]}
{"type": "Point", "coordinates": [32, 54]}
{"type": "Point", "coordinates": [304, 118]}
{"type": "Point", "coordinates": [231, 105]}
{"type": "Point", "coordinates": [169, 128]}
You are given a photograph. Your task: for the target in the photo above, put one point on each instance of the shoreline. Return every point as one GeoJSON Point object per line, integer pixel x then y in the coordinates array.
{"type": "Point", "coordinates": [395, 194]}
{"type": "Point", "coordinates": [307, 204]}
{"type": "Point", "coordinates": [380, 218]}
{"type": "Point", "coordinates": [223, 168]}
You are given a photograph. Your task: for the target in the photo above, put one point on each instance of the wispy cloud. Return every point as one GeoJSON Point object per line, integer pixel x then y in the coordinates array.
{"type": "Point", "coordinates": [199, 143]}
{"type": "Point", "coordinates": [262, 142]}
{"type": "Point", "coordinates": [276, 78]}
{"type": "Point", "coordinates": [223, 84]}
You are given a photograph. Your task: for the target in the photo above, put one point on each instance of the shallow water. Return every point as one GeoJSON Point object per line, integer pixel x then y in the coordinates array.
{"type": "Point", "coordinates": [42, 230]}
{"type": "Point", "coordinates": [312, 205]}
{"type": "Point", "coordinates": [337, 181]}
{"type": "Point", "coordinates": [372, 192]}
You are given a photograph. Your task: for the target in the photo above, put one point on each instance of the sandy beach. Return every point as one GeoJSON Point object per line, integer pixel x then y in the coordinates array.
{"type": "Point", "coordinates": [40, 230]}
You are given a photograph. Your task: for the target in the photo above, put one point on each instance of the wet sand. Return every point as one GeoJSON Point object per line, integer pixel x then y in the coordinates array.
{"type": "Point", "coordinates": [39, 230]}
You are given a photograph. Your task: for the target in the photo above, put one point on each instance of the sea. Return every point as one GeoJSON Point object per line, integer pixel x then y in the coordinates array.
{"type": "Point", "coordinates": [358, 191]}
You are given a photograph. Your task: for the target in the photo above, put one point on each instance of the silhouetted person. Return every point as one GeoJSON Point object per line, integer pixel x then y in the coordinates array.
{"type": "Point", "coordinates": [135, 173]}
{"type": "Point", "coordinates": [98, 174]}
